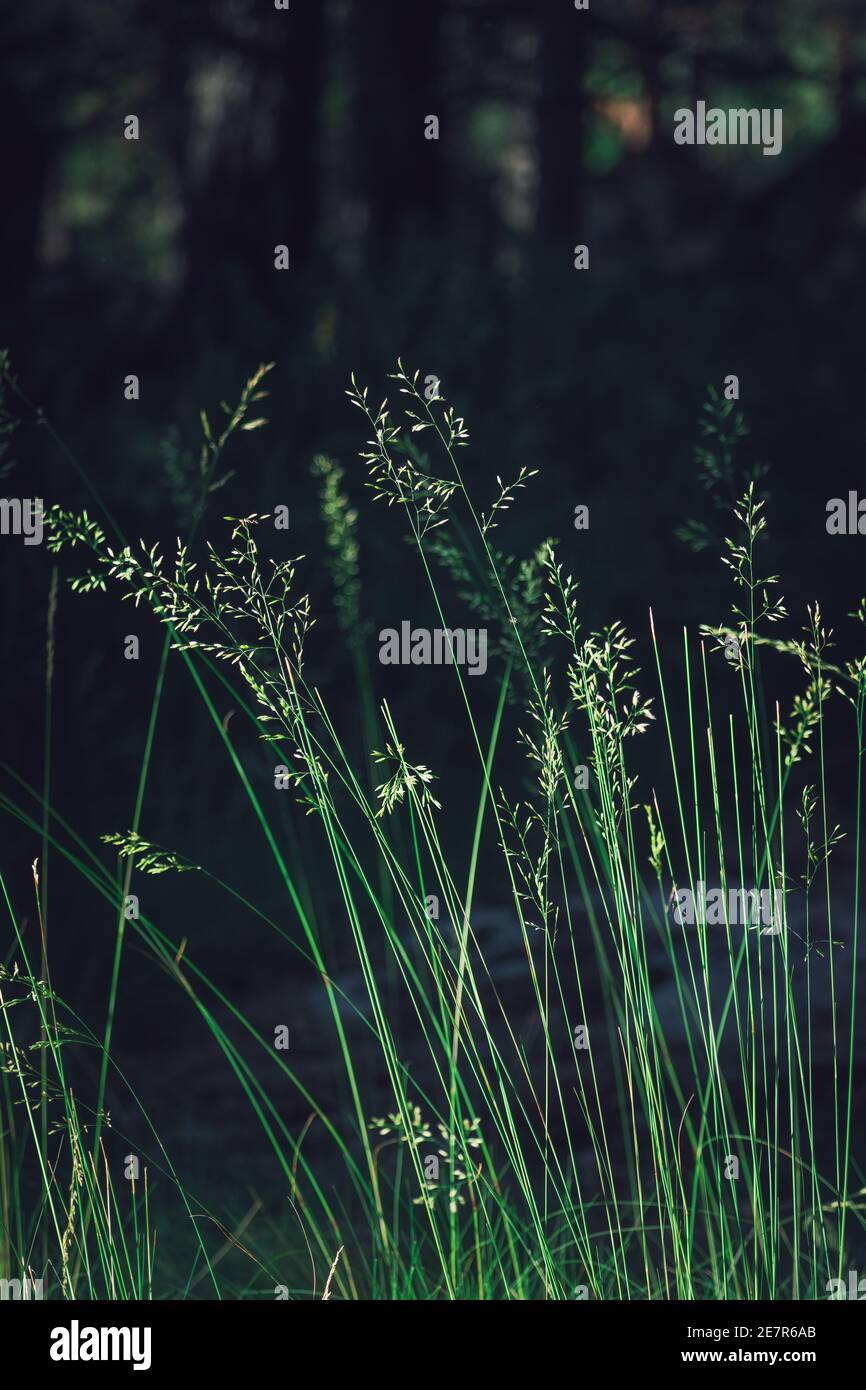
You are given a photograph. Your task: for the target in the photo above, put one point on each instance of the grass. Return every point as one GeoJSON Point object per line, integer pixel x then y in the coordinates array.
{"type": "Point", "coordinates": [653, 1109]}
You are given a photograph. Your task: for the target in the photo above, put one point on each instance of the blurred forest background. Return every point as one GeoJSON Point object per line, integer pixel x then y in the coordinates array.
{"type": "Point", "coordinates": [306, 127]}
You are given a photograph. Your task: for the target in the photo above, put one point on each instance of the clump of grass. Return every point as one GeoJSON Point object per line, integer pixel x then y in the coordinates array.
{"type": "Point", "coordinates": [608, 1144]}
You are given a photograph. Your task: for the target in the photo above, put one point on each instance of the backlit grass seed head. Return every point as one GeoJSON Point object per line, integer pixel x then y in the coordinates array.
{"type": "Point", "coordinates": [602, 683]}
{"type": "Point", "coordinates": [530, 843]}
{"type": "Point", "coordinates": [310, 778]}
{"type": "Point", "coordinates": [855, 672]}
{"type": "Point", "coordinates": [601, 678]}
{"type": "Point", "coordinates": [505, 498]}
{"type": "Point", "coordinates": [817, 851]}
{"type": "Point", "coordinates": [418, 1133]}
{"type": "Point", "coordinates": [452, 427]}
{"type": "Point", "coordinates": [543, 744]}
{"type": "Point", "coordinates": [410, 779]}
{"type": "Point", "coordinates": [657, 840]}
{"type": "Point", "coordinates": [394, 465]}
{"type": "Point", "coordinates": [559, 616]}
{"type": "Point", "coordinates": [740, 560]}
{"type": "Point", "coordinates": [805, 717]}
{"type": "Point", "coordinates": [149, 858]}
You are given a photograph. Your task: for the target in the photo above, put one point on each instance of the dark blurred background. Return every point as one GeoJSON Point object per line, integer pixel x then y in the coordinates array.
{"type": "Point", "coordinates": [306, 127]}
